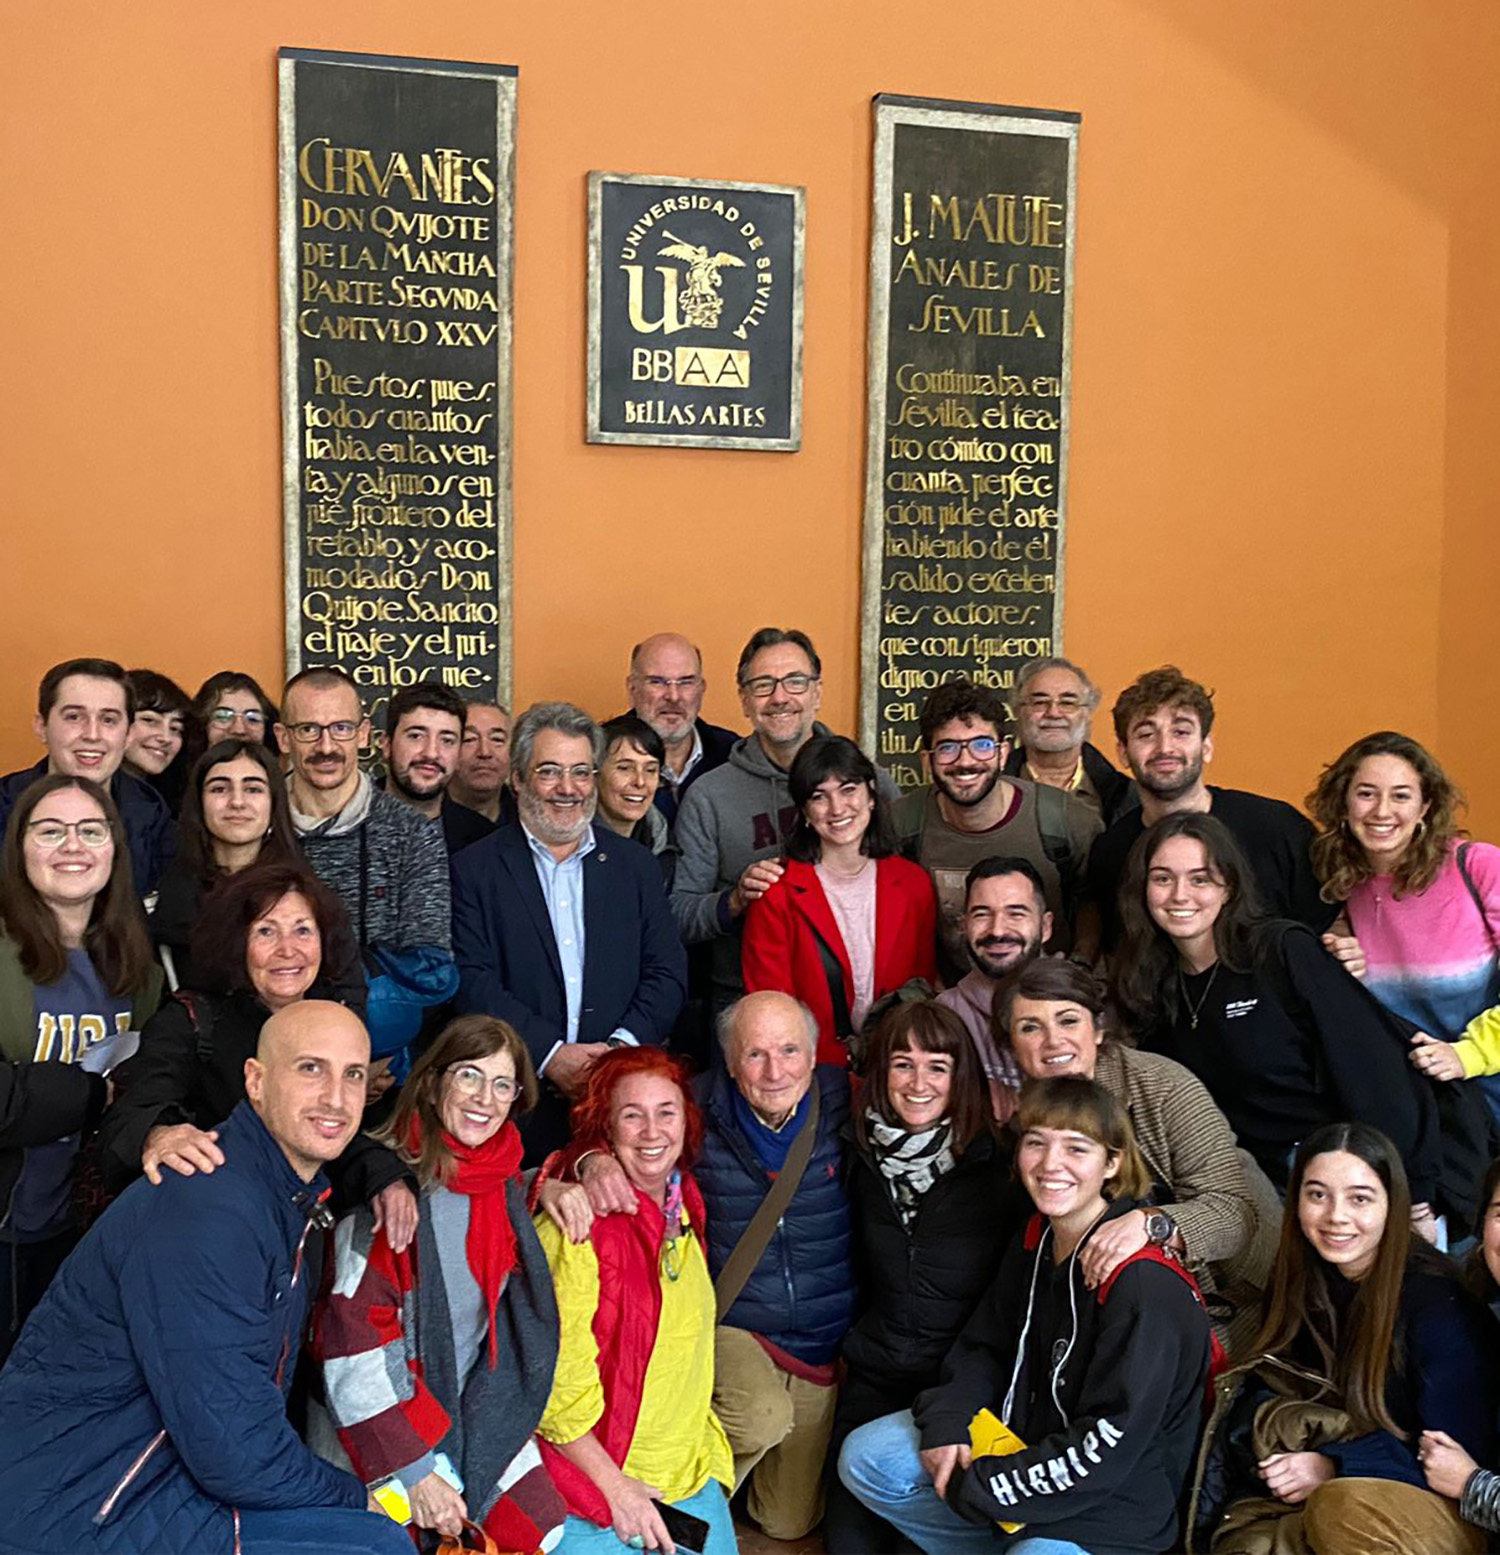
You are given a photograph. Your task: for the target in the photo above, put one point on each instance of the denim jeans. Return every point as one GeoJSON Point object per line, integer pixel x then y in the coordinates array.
{"type": "Point", "coordinates": [581, 1537]}
{"type": "Point", "coordinates": [880, 1464]}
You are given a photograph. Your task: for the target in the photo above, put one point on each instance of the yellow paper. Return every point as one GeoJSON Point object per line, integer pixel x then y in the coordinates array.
{"type": "Point", "coordinates": [990, 1437]}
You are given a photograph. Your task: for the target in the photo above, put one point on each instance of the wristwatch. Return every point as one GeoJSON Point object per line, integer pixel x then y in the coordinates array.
{"type": "Point", "coordinates": [1160, 1227]}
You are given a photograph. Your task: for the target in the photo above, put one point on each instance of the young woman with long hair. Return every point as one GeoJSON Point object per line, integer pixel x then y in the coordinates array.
{"type": "Point", "coordinates": [77, 983]}
{"type": "Point", "coordinates": [1423, 902]}
{"type": "Point", "coordinates": [1282, 1036]}
{"type": "Point", "coordinates": [1103, 1387]}
{"type": "Point", "coordinates": [234, 814]}
{"type": "Point", "coordinates": [1402, 1347]}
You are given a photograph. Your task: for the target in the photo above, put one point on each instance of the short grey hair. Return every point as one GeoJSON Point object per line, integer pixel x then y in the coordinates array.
{"type": "Point", "coordinates": [728, 1018]}
{"type": "Point", "coordinates": [1029, 671]}
{"type": "Point", "coordinates": [565, 718]}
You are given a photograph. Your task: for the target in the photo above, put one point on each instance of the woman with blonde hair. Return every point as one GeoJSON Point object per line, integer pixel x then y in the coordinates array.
{"type": "Point", "coordinates": [437, 1360]}
{"type": "Point", "coordinates": [1100, 1391]}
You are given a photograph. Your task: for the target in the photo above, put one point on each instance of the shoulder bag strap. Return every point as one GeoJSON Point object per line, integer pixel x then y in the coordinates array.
{"type": "Point", "coordinates": [843, 1024]}
{"type": "Point", "coordinates": [1462, 861]}
{"type": "Point", "coordinates": [756, 1238]}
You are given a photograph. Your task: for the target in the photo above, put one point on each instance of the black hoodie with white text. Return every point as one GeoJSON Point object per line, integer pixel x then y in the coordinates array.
{"type": "Point", "coordinates": [1108, 1396]}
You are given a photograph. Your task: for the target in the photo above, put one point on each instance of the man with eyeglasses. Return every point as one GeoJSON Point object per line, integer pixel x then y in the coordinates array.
{"type": "Point", "coordinates": [1054, 701]}
{"type": "Point", "coordinates": [666, 688]}
{"type": "Point", "coordinates": [84, 712]}
{"type": "Point", "coordinates": [972, 811]}
{"type": "Point", "coordinates": [386, 860]}
{"type": "Point", "coordinates": [733, 821]}
{"type": "Point", "coordinates": [561, 929]}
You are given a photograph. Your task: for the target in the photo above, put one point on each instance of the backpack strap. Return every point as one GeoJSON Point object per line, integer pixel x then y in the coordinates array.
{"type": "Point", "coordinates": [1218, 1357]}
{"type": "Point", "coordinates": [200, 1012]}
{"type": "Point", "coordinates": [1052, 823]}
{"type": "Point", "coordinates": [1462, 860]}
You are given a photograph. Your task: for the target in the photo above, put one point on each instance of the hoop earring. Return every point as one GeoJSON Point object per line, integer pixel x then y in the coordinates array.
{"type": "Point", "coordinates": [1421, 825]}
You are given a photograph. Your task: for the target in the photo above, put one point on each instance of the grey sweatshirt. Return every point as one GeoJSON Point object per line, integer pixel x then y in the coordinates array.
{"type": "Point", "coordinates": [389, 866]}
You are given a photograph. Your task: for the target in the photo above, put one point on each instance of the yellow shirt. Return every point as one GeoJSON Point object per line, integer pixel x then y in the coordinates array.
{"type": "Point", "coordinates": [678, 1444]}
{"type": "Point", "coordinates": [1479, 1048]}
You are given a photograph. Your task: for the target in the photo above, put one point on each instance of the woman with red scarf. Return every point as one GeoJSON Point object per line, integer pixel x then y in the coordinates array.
{"type": "Point", "coordinates": [629, 1434]}
{"type": "Point", "coordinates": [437, 1361]}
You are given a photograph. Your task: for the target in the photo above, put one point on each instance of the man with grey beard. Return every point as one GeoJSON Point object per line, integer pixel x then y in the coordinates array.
{"type": "Point", "coordinates": [560, 929]}
{"type": "Point", "coordinates": [1005, 925]}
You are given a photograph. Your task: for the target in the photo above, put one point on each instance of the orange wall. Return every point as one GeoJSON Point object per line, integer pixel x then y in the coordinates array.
{"type": "Point", "coordinates": [1284, 451]}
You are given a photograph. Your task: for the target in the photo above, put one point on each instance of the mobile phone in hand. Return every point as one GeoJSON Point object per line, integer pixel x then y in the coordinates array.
{"type": "Point", "coordinates": [688, 1533]}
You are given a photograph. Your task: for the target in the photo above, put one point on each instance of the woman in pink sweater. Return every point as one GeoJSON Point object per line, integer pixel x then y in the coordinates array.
{"type": "Point", "coordinates": [1424, 903]}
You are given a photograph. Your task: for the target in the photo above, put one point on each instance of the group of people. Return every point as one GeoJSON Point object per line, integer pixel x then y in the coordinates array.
{"type": "Point", "coordinates": [560, 1130]}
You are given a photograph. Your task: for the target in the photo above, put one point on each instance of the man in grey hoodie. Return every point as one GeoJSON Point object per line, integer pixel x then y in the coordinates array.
{"type": "Point", "coordinates": [386, 861]}
{"type": "Point", "coordinates": [733, 820]}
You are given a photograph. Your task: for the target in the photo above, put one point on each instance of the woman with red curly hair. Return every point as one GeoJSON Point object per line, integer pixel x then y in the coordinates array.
{"type": "Point", "coordinates": [628, 1430]}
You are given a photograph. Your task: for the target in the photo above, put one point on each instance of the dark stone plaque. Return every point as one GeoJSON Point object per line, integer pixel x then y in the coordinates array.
{"type": "Point", "coordinates": [695, 313]}
{"type": "Point", "coordinates": [396, 224]}
{"type": "Point", "coordinates": [971, 288]}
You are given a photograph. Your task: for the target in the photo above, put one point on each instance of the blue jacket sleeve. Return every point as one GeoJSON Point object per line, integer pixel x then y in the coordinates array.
{"type": "Point", "coordinates": [1451, 1356]}
{"type": "Point", "coordinates": [206, 1332]}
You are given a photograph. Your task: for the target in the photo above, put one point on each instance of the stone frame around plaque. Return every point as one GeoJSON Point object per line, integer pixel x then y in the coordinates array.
{"type": "Point", "coordinates": [889, 112]}
{"type": "Point", "coordinates": [731, 290]}
{"type": "Point", "coordinates": [473, 611]}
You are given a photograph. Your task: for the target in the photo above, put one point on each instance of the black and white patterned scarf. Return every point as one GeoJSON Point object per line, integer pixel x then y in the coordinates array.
{"type": "Point", "coordinates": [909, 1162]}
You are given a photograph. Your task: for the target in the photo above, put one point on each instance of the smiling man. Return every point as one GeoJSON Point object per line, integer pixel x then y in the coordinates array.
{"type": "Point", "coordinates": [666, 689]}
{"type": "Point", "coordinates": [561, 929]}
{"type": "Point", "coordinates": [734, 820]}
{"type": "Point", "coordinates": [1164, 729]}
{"type": "Point", "coordinates": [787, 1300]}
{"type": "Point", "coordinates": [1006, 923]}
{"type": "Point", "coordinates": [1054, 702]}
{"type": "Point", "coordinates": [972, 811]}
{"type": "Point", "coordinates": [423, 744]}
{"type": "Point", "coordinates": [385, 859]}
{"type": "Point", "coordinates": [84, 712]}
{"type": "Point", "coordinates": [184, 1307]}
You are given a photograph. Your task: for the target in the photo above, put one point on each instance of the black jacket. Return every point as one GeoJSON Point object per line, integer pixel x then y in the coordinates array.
{"type": "Point", "coordinates": [179, 908]}
{"type": "Point", "coordinates": [919, 1287]}
{"type": "Point", "coordinates": [717, 744]}
{"type": "Point", "coordinates": [1115, 789]}
{"type": "Point", "coordinates": [1295, 1043]}
{"type": "Point", "coordinates": [191, 1069]}
{"type": "Point", "coordinates": [1108, 1396]}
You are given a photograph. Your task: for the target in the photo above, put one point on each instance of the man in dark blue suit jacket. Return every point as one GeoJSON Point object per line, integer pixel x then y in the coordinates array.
{"type": "Point", "coordinates": [561, 931]}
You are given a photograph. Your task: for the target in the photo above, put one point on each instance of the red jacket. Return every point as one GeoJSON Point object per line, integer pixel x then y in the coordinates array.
{"type": "Point", "coordinates": [629, 1251]}
{"type": "Point", "coordinates": [781, 946]}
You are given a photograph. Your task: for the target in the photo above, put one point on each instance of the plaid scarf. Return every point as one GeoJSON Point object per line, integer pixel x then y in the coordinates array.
{"type": "Point", "coordinates": [909, 1162]}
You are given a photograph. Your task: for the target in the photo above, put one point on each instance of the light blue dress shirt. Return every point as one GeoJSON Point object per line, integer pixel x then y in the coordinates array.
{"type": "Point", "coordinates": [562, 891]}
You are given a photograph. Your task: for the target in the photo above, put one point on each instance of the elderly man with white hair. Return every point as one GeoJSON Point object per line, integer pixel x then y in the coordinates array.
{"type": "Point", "coordinates": [778, 1249]}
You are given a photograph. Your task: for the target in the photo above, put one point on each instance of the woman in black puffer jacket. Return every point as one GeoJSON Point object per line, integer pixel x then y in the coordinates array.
{"type": "Point", "coordinates": [935, 1204]}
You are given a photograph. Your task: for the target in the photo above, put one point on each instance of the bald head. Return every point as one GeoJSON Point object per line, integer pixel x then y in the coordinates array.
{"type": "Point", "coordinates": [307, 1081]}
{"type": "Point", "coordinates": [770, 1041]}
{"type": "Point", "coordinates": [666, 685]}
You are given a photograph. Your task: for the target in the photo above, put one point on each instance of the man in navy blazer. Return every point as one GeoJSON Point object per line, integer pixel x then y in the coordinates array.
{"type": "Point", "coordinates": [560, 930]}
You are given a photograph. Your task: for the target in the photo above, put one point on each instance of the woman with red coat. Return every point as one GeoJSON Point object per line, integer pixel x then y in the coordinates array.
{"type": "Point", "coordinates": [850, 920]}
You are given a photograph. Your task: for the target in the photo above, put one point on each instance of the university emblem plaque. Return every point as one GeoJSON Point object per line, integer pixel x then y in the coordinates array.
{"type": "Point", "coordinates": [695, 312]}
